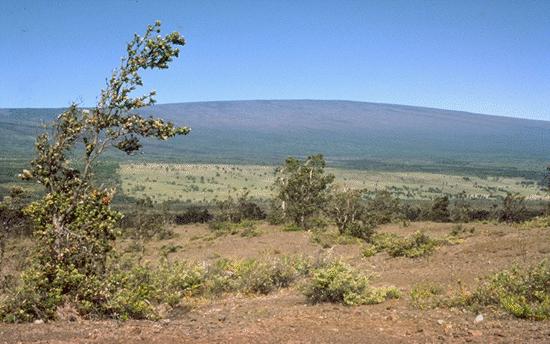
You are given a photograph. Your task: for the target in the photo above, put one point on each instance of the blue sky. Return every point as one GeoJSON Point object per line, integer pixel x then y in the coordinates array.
{"type": "Point", "coordinates": [481, 56]}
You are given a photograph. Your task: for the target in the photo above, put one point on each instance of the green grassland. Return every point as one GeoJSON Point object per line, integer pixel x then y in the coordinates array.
{"type": "Point", "coordinates": [207, 182]}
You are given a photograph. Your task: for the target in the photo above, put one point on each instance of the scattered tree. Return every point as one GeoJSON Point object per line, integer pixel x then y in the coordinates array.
{"type": "Point", "coordinates": [383, 208]}
{"type": "Point", "coordinates": [513, 208]}
{"type": "Point", "coordinates": [74, 223]}
{"type": "Point", "coordinates": [303, 189]}
{"type": "Point", "coordinates": [440, 209]}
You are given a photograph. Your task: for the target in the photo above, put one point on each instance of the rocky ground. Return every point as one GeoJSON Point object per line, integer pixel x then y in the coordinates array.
{"type": "Point", "coordinates": [285, 316]}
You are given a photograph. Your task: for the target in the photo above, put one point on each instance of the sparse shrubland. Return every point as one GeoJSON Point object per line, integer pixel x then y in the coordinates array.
{"type": "Point", "coordinates": [140, 291]}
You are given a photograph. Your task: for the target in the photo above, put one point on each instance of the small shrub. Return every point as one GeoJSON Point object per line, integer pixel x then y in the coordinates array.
{"type": "Point", "coordinates": [122, 294]}
{"type": "Point", "coordinates": [537, 222]}
{"type": "Point", "coordinates": [369, 250]}
{"type": "Point", "coordinates": [363, 231]}
{"type": "Point", "coordinates": [417, 245]}
{"type": "Point", "coordinates": [292, 228]}
{"type": "Point", "coordinates": [383, 241]}
{"type": "Point", "coordinates": [426, 295]}
{"type": "Point", "coordinates": [221, 228]}
{"type": "Point", "coordinates": [339, 283]}
{"type": "Point", "coordinates": [136, 293]}
{"type": "Point", "coordinates": [165, 250]}
{"type": "Point", "coordinates": [328, 239]}
{"type": "Point", "coordinates": [142, 225]}
{"type": "Point", "coordinates": [242, 208]}
{"type": "Point", "coordinates": [522, 292]}
{"type": "Point", "coordinates": [254, 276]}
{"type": "Point", "coordinates": [250, 232]}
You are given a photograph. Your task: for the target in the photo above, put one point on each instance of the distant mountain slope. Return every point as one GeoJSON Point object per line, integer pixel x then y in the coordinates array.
{"type": "Point", "coordinates": [354, 133]}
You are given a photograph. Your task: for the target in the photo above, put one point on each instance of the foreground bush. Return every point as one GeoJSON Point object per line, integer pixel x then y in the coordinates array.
{"type": "Point", "coordinates": [145, 291]}
{"type": "Point", "coordinates": [255, 276]}
{"type": "Point", "coordinates": [339, 283]}
{"type": "Point", "coordinates": [522, 292]}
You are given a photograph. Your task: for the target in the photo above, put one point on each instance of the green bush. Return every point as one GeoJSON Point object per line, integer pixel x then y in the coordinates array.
{"type": "Point", "coordinates": [439, 211]}
{"type": "Point", "coordinates": [193, 215]}
{"type": "Point", "coordinates": [242, 208]}
{"type": "Point", "coordinates": [426, 295]}
{"type": "Point", "coordinates": [139, 291]}
{"type": "Point", "coordinates": [513, 209]}
{"type": "Point", "coordinates": [417, 245]}
{"type": "Point", "coordinates": [339, 283]}
{"type": "Point", "coordinates": [146, 225]}
{"type": "Point", "coordinates": [122, 294]}
{"type": "Point", "coordinates": [254, 276]}
{"type": "Point", "coordinates": [247, 228]}
{"type": "Point", "coordinates": [369, 250]}
{"type": "Point", "coordinates": [328, 239]}
{"type": "Point", "coordinates": [136, 293]}
{"type": "Point", "coordinates": [383, 208]}
{"type": "Point", "coordinates": [523, 292]}
{"type": "Point", "coordinates": [363, 231]}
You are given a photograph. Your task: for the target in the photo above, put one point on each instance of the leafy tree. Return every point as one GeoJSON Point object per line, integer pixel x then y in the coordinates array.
{"type": "Point", "coordinates": [74, 223]}
{"type": "Point", "coordinates": [440, 209]}
{"type": "Point", "coordinates": [12, 219]}
{"type": "Point", "coordinates": [462, 209]}
{"type": "Point", "coordinates": [303, 188]}
{"type": "Point", "coordinates": [383, 208]}
{"type": "Point", "coordinates": [513, 208]}
{"type": "Point", "coordinates": [347, 209]}
{"type": "Point", "coordinates": [243, 208]}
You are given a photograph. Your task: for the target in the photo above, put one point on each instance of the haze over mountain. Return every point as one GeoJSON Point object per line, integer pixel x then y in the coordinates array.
{"type": "Point", "coordinates": [357, 134]}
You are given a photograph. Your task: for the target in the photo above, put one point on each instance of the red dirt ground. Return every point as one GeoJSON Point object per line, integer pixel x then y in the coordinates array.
{"type": "Point", "coordinates": [284, 316]}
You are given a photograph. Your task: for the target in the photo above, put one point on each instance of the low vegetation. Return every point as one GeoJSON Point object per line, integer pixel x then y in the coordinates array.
{"type": "Point", "coordinates": [141, 291]}
{"type": "Point", "coordinates": [522, 292]}
{"type": "Point", "coordinates": [416, 245]}
{"type": "Point", "coordinates": [340, 283]}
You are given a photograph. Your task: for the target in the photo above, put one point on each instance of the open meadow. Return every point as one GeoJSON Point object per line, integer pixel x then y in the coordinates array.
{"type": "Point", "coordinates": [208, 182]}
